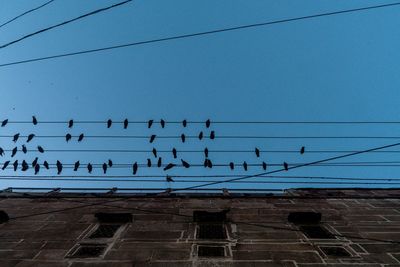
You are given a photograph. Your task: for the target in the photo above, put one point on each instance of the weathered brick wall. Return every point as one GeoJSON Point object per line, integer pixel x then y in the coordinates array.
{"type": "Point", "coordinates": [170, 240]}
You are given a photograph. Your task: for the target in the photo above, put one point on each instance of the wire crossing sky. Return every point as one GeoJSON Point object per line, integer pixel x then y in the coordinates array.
{"type": "Point", "coordinates": [328, 83]}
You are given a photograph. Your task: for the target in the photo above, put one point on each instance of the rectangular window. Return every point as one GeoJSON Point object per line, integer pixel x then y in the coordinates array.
{"type": "Point", "coordinates": [87, 251]}
{"type": "Point", "coordinates": [211, 231]}
{"type": "Point", "coordinates": [209, 251]}
{"type": "Point", "coordinates": [316, 232]}
{"type": "Point", "coordinates": [206, 216]}
{"type": "Point", "coordinates": [339, 252]}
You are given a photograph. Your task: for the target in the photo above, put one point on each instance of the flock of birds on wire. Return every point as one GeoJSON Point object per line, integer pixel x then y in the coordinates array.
{"type": "Point", "coordinates": [135, 166]}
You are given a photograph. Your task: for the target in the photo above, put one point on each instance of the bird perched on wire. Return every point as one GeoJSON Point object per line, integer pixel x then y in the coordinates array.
{"type": "Point", "coordinates": [264, 166]}
{"type": "Point", "coordinates": [245, 165]}
{"type": "Point", "coordinates": [150, 123]}
{"type": "Point", "coordinates": [185, 164]}
{"type": "Point", "coordinates": [40, 149]}
{"type": "Point", "coordinates": [184, 123]}
{"type": "Point", "coordinates": [25, 166]}
{"type": "Point", "coordinates": [104, 168]}
{"type": "Point", "coordinates": [135, 168]}
{"type": "Point", "coordinates": [46, 165]}
{"type": "Point", "coordinates": [169, 166]}
{"type": "Point", "coordinates": [34, 120]}
{"type": "Point", "coordinates": [286, 166]}
{"type": "Point", "coordinates": [59, 167]}
{"type": "Point", "coordinates": [302, 150]}
{"type": "Point", "coordinates": [126, 122]}
{"type": "Point", "coordinates": [208, 123]}
{"type": "Point", "coordinates": [4, 122]}
{"type": "Point", "coordinates": [15, 165]}
{"type": "Point", "coordinates": [30, 137]}
{"type": "Point", "coordinates": [169, 179]}
{"type": "Point", "coordinates": [34, 162]}
{"type": "Point", "coordinates": [24, 149]}
{"type": "Point", "coordinates": [37, 168]}
{"type": "Point", "coordinates": [183, 138]}
{"type": "Point", "coordinates": [70, 123]}
{"type": "Point", "coordinates": [257, 151]}
{"type": "Point", "coordinates": [212, 135]}
{"type": "Point", "coordinates": [15, 137]}
{"type": "Point", "coordinates": [80, 137]}
{"type": "Point", "coordinates": [149, 163]}
{"type": "Point", "coordinates": [154, 152]}
{"type": "Point", "coordinates": [6, 163]}
{"type": "Point", "coordinates": [1, 151]}
{"type": "Point", "coordinates": [159, 162]}
{"type": "Point", "coordinates": [206, 152]}
{"type": "Point", "coordinates": [90, 168]}
{"type": "Point", "coordinates": [76, 165]}
{"type": "Point", "coordinates": [231, 165]}
{"type": "Point", "coordinates": [152, 138]}
{"type": "Point", "coordinates": [109, 123]}
{"type": "Point", "coordinates": [14, 151]}
{"type": "Point", "coordinates": [162, 122]}
{"type": "Point", "coordinates": [110, 163]}
{"type": "Point", "coordinates": [174, 153]}
{"type": "Point", "coordinates": [68, 137]}
{"type": "Point", "coordinates": [208, 163]}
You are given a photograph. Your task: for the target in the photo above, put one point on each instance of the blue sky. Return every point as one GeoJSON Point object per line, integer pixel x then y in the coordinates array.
{"type": "Point", "coordinates": [341, 67]}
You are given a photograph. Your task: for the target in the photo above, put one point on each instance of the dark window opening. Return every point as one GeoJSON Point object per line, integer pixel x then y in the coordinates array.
{"type": "Point", "coordinates": [211, 231]}
{"type": "Point", "coordinates": [316, 231]}
{"type": "Point", "coordinates": [88, 251]}
{"type": "Point", "coordinates": [304, 217]}
{"type": "Point", "coordinates": [113, 217]}
{"type": "Point", "coordinates": [105, 231]}
{"type": "Point", "coordinates": [3, 216]}
{"type": "Point", "coordinates": [335, 251]}
{"type": "Point", "coordinates": [205, 216]}
{"type": "Point", "coordinates": [206, 251]}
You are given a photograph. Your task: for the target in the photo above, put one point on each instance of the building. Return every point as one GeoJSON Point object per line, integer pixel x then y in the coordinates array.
{"type": "Point", "coordinates": [300, 228]}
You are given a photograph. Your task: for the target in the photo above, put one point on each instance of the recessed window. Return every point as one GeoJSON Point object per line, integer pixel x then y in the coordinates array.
{"type": "Point", "coordinates": [105, 231]}
{"type": "Point", "coordinates": [209, 251]}
{"type": "Point", "coordinates": [316, 231]}
{"type": "Point", "coordinates": [205, 216]}
{"type": "Point", "coordinates": [211, 231]}
{"type": "Point", "coordinates": [88, 251]}
{"type": "Point", "coordinates": [335, 252]}
{"type": "Point", "coordinates": [304, 217]}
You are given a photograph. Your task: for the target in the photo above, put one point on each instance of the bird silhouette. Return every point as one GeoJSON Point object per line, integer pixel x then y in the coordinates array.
{"type": "Point", "coordinates": [1, 151]}
{"type": "Point", "coordinates": [149, 163]}
{"type": "Point", "coordinates": [264, 166]}
{"type": "Point", "coordinates": [76, 166]}
{"type": "Point", "coordinates": [231, 165]}
{"type": "Point", "coordinates": [209, 163]}
{"type": "Point", "coordinates": [302, 150]}
{"type": "Point", "coordinates": [37, 168]}
{"type": "Point", "coordinates": [200, 135]}
{"type": "Point", "coordinates": [206, 152]}
{"type": "Point", "coordinates": [14, 151]}
{"type": "Point", "coordinates": [135, 168]}
{"type": "Point", "coordinates": [150, 123]}
{"type": "Point", "coordinates": [4, 123]}
{"type": "Point", "coordinates": [15, 165]}
{"type": "Point", "coordinates": [208, 123]}
{"type": "Point", "coordinates": [286, 166]}
{"type": "Point", "coordinates": [245, 165]}
{"type": "Point", "coordinates": [80, 137]}
{"type": "Point", "coordinates": [90, 168]}
{"type": "Point", "coordinates": [70, 123]}
{"type": "Point", "coordinates": [152, 138]}
{"type": "Point", "coordinates": [110, 163]}
{"type": "Point", "coordinates": [159, 162]}
{"type": "Point", "coordinates": [25, 166]}
{"type": "Point", "coordinates": [169, 179]}
{"type": "Point", "coordinates": [212, 135]}
{"type": "Point", "coordinates": [34, 162]}
{"type": "Point", "coordinates": [46, 165]}
{"type": "Point", "coordinates": [30, 137]}
{"type": "Point", "coordinates": [205, 163]}
{"type": "Point", "coordinates": [185, 164]}
{"type": "Point", "coordinates": [15, 138]}
{"type": "Point", "coordinates": [5, 165]}
{"type": "Point", "coordinates": [174, 153]}
{"type": "Point", "coordinates": [104, 168]}
{"type": "Point", "coordinates": [109, 123]}
{"type": "Point", "coordinates": [257, 151]}
{"type": "Point", "coordinates": [162, 122]}
{"type": "Point", "coordinates": [34, 120]}
{"type": "Point", "coordinates": [126, 122]}
{"type": "Point", "coordinates": [59, 167]}
{"type": "Point", "coordinates": [184, 123]}
{"type": "Point", "coordinates": [183, 138]}
{"type": "Point", "coordinates": [169, 166]}
{"type": "Point", "coordinates": [40, 149]}
{"type": "Point", "coordinates": [68, 137]}
{"type": "Point", "coordinates": [154, 152]}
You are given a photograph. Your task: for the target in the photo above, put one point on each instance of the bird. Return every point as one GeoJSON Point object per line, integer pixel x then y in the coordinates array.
{"type": "Point", "coordinates": [80, 137]}
{"type": "Point", "coordinates": [206, 152]}
{"type": "Point", "coordinates": [257, 151]}
{"type": "Point", "coordinates": [205, 163]}
{"type": "Point", "coordinates": [37, 168]}
{"type": "Point", "coordinates": [46, 165]}
{"type": "Point", "coordinates": [68, 137]}
{"type": "Point", "coordinates": [185, 164]}
{"type": "Point", "coordinates": [152, 138]}
{"type": "Point", "coordinates": [110, 163]}
{"type": "Point", "coordinates": [209, 163]}
{"type": "Point", "coordinates": [25, 166]}
{"type": "Point", "coordinates": [104, 168]}
{"type": "Point", "coordinates": [126, 122]}
{"type": "Point", "coordinates": [1, 151]}
{"type": "Point", "coordinates": [59, 167]}
{"type": "Point", "coordinates": [15, 138]}
{"type": "Point", "coordinates": [200, 135]}
{"type": "Point", "coordinates": [34, 162]}
{"type": "Point", "coordinates": [245, 165]}
{"type": "Point", "coordinates": [264, 166]}
{"type": "Point", "coordinates": [5, 165]}
{"type": "Point", "coordinates": [149, 123]}
{"type": "Point", "coordinates": [169, 166]}
{"type": "Point", "coordinates": [154, 152]}
{"type": "Point", "coordinates": [174, 153]}
{"type": "Point", "coordinates": [162, 122]}
{"type": "Point", "coordinates": [76, 166]}
{"type": "Point", "coordinates": [4, 123]}
{"type": "Point", "coordinates": [169, 179]}
{"type": "Point", "coordinates": [183, 138]}
{"type": "Point", "coordinates": [231, 165]}
{"type": "Point", "coordinates": [90, 168]}
{"type": "Point", "coordinates": [208, 123]}
{"type": "Point", "coordinates": [34, 120]}
{"type": "Point", "coordinates": [286, 166]}
{"type": "Point", "coordinates": [109, 123]}
{"type": "Point", "coordinates": [135, 168]}
{"type": "Point", "coordinates": [30, 137]}
{"type": "Point", "coordinates": [70, 123]}
{"type": "Point", "coordinates": [212, 135]}
{"type": "Point", "coordinates": [149, 163]}
{"type": "Point", "coordinates": [184, 123]}
{"type": "Point", "coordinates": [14, 151]}
{"type": "Point", "coordinates": [159, 162]}
{"type": "Point", "coordinates": [302, 150]}
{"type": "Point", "coordinates": [15, 165]}
{"type": "Point", "coordinates": [40, 149]}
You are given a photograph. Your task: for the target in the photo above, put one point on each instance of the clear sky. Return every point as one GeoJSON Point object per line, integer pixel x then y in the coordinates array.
{"type": "Point", "coordinates": [336, 68]}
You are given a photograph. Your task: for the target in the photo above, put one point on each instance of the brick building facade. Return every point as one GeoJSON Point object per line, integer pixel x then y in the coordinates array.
{"type": "Point", "coordinates": [303, 228]}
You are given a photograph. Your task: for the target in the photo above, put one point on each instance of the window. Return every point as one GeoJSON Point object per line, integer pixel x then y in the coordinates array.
{"type": "Point", "coordinates": [87, 251]}
{"type": "Point", "coordinates": [113, 217]}
{"type": "Point", "coordinates": [316, 231]}
{"type": "Point", "coordinates": [304, 217]}
{"type": "Point", "coordinates": [206, 216]}
{"type": "Point", "coordinates": [210, 251]}
{"type": "Point", "coordinates": [335, 252]}
{"type": "Point", "coordinates": [105, 231]}
{"type": "Point", "coordinates": [211, 231]}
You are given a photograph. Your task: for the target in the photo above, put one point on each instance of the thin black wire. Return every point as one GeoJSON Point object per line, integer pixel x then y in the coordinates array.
{"type": "Point", "coordinates": [25, 13]}
{"type": "Point", "coordinates": [200, 33]}
{"type": "Point", "coordinates": [63, 23]}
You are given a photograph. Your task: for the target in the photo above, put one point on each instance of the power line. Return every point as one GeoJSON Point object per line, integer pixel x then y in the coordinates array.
{"type": "Point", "coordinates": [25, 13]}
{"type": "Point", "coordinates": [64, 23]}
{"type": "Point", "coordinates": [176, 37]}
